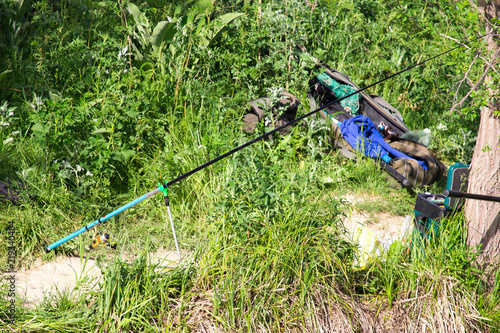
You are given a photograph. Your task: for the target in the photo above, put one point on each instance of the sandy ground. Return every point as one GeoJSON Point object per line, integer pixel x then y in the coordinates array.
{"type": "Point", "coordinates": [374, 233]}
{"type": "Point", "coordinates": [67, 274]}
{"type": "Point", "coordinates": [386, 228]}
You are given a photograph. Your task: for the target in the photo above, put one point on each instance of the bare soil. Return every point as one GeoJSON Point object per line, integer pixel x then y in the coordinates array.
{"type": "Point", "coordinates": [70, 274]}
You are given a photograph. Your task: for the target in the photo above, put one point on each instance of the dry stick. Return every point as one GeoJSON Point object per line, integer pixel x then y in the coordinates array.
{"type": "Point", "coordinates": [478, 82]}
{"type": "Point", "coordinates": [465, 78]}
{"type": "Point", "coordinates": [259, 18]}
{"type": "Point", "coordinates": [289, 67]}
{"type": "Point", "coordinates": [184, 65]}
{"type": "Point", "coordinates": [128, 39]}
{"type": "Point", "coordinates": [129, 51]}
{"type": "Point", "coordinates": [313, 6]}
{"type": "Point", "coordinates": [457, 41]}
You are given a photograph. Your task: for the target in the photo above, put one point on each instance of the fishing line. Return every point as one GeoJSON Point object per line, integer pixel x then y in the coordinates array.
{"type": "Point", "coordinates": [203, 166]}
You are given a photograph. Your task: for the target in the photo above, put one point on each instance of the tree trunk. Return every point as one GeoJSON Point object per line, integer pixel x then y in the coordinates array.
{"type": "Point", "coordinates": [484, 217]}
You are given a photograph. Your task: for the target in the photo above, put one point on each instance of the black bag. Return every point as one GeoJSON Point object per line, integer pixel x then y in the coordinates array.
{"type": "Point", "coordinates": [386, 118]}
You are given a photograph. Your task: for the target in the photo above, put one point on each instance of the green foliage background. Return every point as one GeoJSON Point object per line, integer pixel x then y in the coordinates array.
{"type": "Point", "coordinates": [88, 125]}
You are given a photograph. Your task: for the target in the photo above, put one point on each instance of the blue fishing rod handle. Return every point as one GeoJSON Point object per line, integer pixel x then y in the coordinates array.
{"type": "Point", "coordinates": [386, 158]}
{"type": "Point", "coordinates": [102, 219]}
{"type": "Point", "coordinates": [70, 236]}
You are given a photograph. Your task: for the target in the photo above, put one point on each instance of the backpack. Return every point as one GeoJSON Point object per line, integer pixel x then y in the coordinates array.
{"type": "Point", "coordinates": [419, 165]}
{"type": "Point", "coordinates": [279, 113]}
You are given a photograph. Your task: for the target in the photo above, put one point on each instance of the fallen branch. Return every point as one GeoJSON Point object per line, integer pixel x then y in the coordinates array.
{"type": "Point", "coordinates": [465, 78]}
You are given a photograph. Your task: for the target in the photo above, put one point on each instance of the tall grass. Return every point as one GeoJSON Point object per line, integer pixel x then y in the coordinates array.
{"type": "Point", "coordinates": [435, 282]}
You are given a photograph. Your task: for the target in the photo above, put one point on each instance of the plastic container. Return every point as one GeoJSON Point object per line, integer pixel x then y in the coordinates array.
{"type": "Point", "coordinates": [458, 175]}
{"type": "Point", "coordinates": [429, 210]}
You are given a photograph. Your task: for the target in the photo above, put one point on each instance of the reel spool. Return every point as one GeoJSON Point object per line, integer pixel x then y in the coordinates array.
{"type": "Point", "coordinates": [101, 239]}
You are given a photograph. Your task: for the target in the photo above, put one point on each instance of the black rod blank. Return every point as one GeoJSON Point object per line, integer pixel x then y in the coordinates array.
{"type": "Point", "coordinates": [456, 194]}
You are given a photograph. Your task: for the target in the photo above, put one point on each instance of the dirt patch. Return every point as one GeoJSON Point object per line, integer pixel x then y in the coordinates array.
{"type": "Point", "coordinates": [66, 274]}
{"type": "Point", "coordinates": [386, 227]}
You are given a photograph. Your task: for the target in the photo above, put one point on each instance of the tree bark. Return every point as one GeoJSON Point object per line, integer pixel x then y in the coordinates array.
{"type": "Point", "coordinates": [484, 217]}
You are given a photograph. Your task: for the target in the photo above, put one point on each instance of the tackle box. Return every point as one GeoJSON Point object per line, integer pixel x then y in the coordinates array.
{"type": "Point", "coordinates": [429, 210]}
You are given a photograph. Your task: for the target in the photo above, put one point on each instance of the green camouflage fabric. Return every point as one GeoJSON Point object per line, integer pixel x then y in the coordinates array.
{"type": "Point", "coordinates": [350, 104]}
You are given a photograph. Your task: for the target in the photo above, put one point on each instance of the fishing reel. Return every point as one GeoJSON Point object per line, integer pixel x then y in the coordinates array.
{"type": "Point", "coordinates": [102, 239]}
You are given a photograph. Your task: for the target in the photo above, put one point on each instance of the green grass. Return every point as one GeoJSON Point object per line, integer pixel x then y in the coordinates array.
{"type": "Point", "coordinates": [91, 130]}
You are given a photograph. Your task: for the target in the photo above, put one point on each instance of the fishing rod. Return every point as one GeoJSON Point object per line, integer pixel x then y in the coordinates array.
{"type": "Point", "coordinates": [162, 188]}
{"type": "Point", "coordinates": [457, 194]}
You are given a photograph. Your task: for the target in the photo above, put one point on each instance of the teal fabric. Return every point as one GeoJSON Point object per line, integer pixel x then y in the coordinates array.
{"type": "Point", "coordinates": [350, 104]}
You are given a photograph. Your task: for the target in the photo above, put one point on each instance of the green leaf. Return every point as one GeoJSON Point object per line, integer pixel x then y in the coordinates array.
{"type": "Point", "coordinates": [4, 73]}
{"type": "Point", "coordinates": [127, 154]}
{"type": "Point", "coordinates": [135, 11]}
{"type": "Point", "coordinates": [189, 19]}
{"type": "Point", "coordinates": [182, 8]}
{"type": "Point", "coordinates": [40, 128]}
{"type": "Point", "coordinates": [228, 18]}
{"type": "Point", "coordinates": [201, 25]}
{"type": "Point", "coordinates": [163, 33]}
{"type": "Point", "coordinates": [347, 5]}
{"type": "Point", "coordinates": [142, 23]}
{"type": "Point", "coordinates": [99, 131]}
{"type": "Point", "coordinates": [327, 180]}
{"type": "Point", "coordinates": [178, 10]}
{"type": "Point", "coordinates": [284, 142]}
{"type": "Point", "coordinates": [204, 6]}
{"type": "Point", "coordinates": [132, 113]}
{"type": "Point", "coordinates": [123, 155]}
{"type": "Point", "coordinates": [225, 20]}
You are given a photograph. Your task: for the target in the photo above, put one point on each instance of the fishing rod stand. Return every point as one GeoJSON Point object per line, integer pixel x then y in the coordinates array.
{"type": "Point", "coordinates": [164, 190]}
